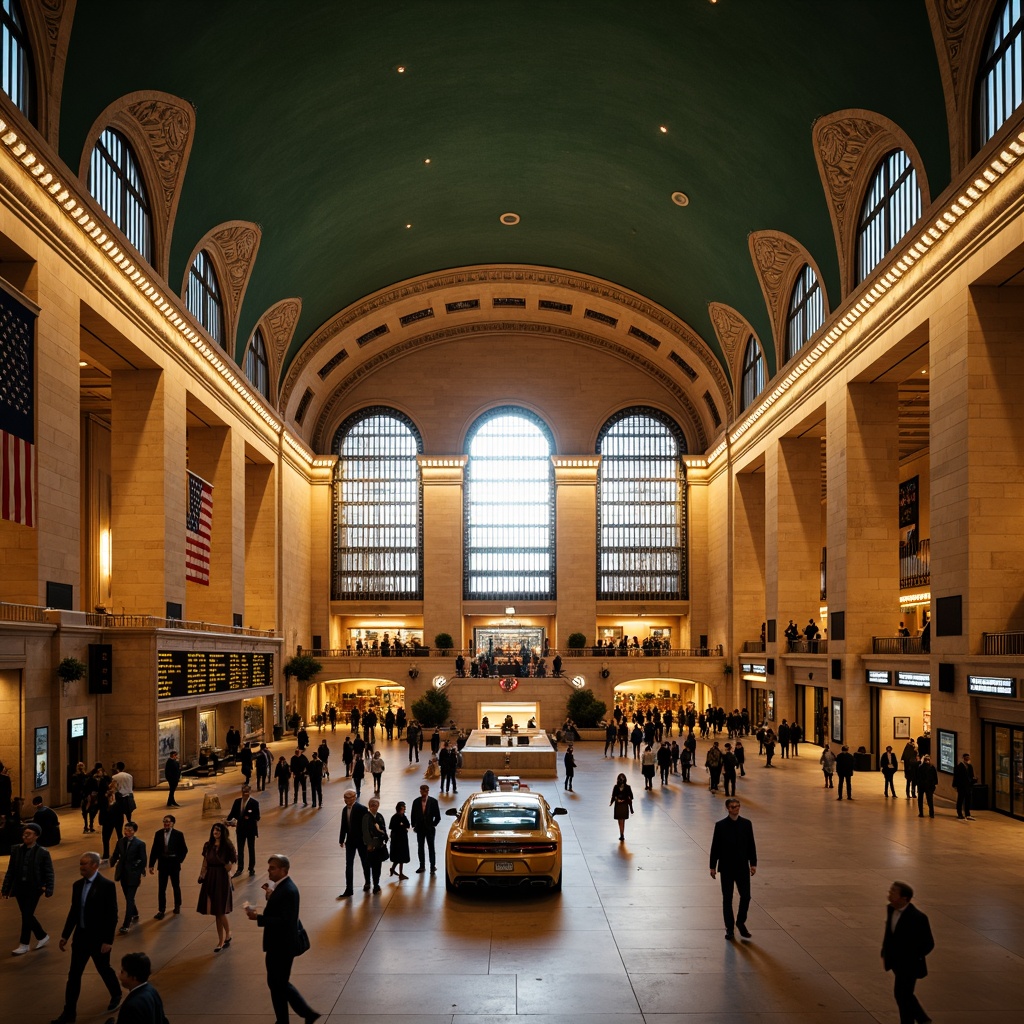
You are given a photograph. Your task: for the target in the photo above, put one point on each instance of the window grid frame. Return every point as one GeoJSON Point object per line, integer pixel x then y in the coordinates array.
{"type": "Point", "coordinates": [386, 531]}
{"type": "Point", "coordinates": [117, 184]}
{"type": "Point", "coordinates": [257, 364]}
{"type": "Point", "coordinates": [517, 552]}
{"type": "Point", "coordinates": [892, 206]}
{"type": "Point", "coordinates": [752, 378]}
{"type": "Point", "coordinates": [999, 85]}
{"type": "Point", "coordinates": [17, 69]}
{"type": "Point", "coordinates": [630, 535]}
{"type": "Point", "coordinates": [203, 297]}
{"type": "Point", "coordinates": [806, 311]}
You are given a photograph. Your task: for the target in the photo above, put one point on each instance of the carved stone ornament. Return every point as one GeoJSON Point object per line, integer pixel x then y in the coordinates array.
{"type": "Point", "coordinates": [54, 12]}
{"type": "Point", "coordinates": [731, 329]}
{"type": "Point", "coordinates": [839, 144]}
{"type": "Point", "coordinates": [167, 128]}
{"type": "Point", "coordinates": [278, 325]}
{"type": "Point", "coordinates": [774, 254]}
{"type": "Point", "coordinates": [237, 244]}
{"type": "Point", "coordinates": [955, 17]}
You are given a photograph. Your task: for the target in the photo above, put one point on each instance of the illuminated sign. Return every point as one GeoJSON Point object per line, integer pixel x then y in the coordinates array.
{"type": "Point", "coordinates": [757, 670]}
{"type": "Point", "coordinates": [876, 677]}
{"type": "Point", "coordinates": [196, 673]}
{"type": "Point", "coordinates": [77, 730]}
{"type": "Point", "coordinates": [947, 751]}
{"type": "Point", "coordinates": [915, 680]}
{"type": "Point", "coordinates": [992, 686]}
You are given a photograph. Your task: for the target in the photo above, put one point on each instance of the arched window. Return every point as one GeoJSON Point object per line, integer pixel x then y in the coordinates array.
{"type": "Point", "coordinates": [203, 297]}
{"type": "Point", "coordinates": [641, 510]}
{"type": "Point", "coordinates": [510, 508]}
{"type": "Point", "coordinates": [752, 381]}
{"type": "Point", "coordinates": [16, 58]}
{"type": "Point", "coordinates": [1000, 84]}
{"type": "Point", "coordinates": [257, 366]}
{"type": "Point", "coordinates": [891, 208]}
{"type": "Point", "coordinates": [116, 183]}
{"type": "Point", "coordinates": [806, 311]}
{"type": "Point", "coordinates": [378, 511]}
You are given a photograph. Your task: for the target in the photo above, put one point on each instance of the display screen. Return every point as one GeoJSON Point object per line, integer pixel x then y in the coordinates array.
{"type": "Point", "coordinates": [947, 751]}
{"type": "Point", "coordinates": [77, 728]}
{"type": "Point", "coordinates": [194, 673]}
{"type": "Point", "coordinates": [995, 686]}
{"type": "Point", "coordinates": [917, 680]}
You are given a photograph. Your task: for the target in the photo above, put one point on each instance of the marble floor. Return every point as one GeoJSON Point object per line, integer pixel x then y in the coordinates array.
{"type": "Point", "coordinates": [635, 936]}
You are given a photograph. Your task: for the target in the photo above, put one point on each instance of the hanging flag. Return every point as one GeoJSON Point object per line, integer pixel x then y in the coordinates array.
{"type": "Point", "coordinates": [17, 411]}
{"type": "Point", "coordinates": [198, 523]}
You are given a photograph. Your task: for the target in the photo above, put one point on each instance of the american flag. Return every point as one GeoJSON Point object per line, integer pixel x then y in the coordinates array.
{"type": "Point", "coordinates": [198, 521]}
{"type": "Point", "coordinates": [17, 412]}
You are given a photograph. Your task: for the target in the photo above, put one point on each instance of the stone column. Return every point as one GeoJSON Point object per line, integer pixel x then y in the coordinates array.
{"type": "Point", "coordinates": [442, 478]}
{"type": "Point", "coordinates": [748, 557]}
{"type": "Point", "coordinates": [260, 546]}
{"type": "Point", "coordinates": [576, 545]}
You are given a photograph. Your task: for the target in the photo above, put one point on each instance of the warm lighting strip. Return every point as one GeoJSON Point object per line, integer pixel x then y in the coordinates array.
{"type": "Point", "coordinates": [697, 461]}
{"type": "Point", "coordinates": [563, 462]}
{"type": "Point", "coordinates": [914, 252]}
{"type": "Point", "coordinates": [63, 196]}
{"type": "Point", "coordinates": [907, 600]}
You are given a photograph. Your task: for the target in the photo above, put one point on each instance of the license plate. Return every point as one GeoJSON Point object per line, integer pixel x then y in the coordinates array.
{"type": "Point", "coordinates": [504, 865]}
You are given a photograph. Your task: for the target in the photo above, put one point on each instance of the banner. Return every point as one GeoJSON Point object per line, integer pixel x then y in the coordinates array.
{"type": "Point", "coordinates": [17, 411]}
{"type": "Point", "coordinates": [198, 524]}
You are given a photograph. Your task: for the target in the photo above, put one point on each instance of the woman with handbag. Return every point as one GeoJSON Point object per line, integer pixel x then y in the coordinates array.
{"type": "Point", "coordinates": [219, 857]}
{"type": "Point", "coordinates": [400, 855]}
{"type": "Point", "coordinates": [622, 801]}
{"type": "Point", "coordinates": [375, 837]}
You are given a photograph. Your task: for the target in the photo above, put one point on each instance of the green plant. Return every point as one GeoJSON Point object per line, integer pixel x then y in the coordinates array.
{"type": "Point", "coordinates": [303, 667]}
{"type": "Point", "coordinates": [576, 641]}
{"type": "Point", "coordinates": [444, 641]}
{"type": "Point", "coordinates": [71, 669]}
{"type": "Point", "coordinates": [585, 709]}
{"type": "Point", "coordinates": [433, 708]}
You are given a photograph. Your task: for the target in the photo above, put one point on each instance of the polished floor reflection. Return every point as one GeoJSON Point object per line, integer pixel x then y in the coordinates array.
{"type": "Point", "coordinates": [636, 935]}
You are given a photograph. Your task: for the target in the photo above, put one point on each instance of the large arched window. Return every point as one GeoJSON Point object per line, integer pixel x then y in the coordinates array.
{"type": "Point", "coordinates": [203, 297]}
{"type": "Point", "coordinates": [1000, 84]}
{"type": "Point", "coordinates": [257, 366]}
{"type": "Point", "coordinates": [806, 311]}
{"type": "Point", "coordinates": [116, 183]}
{"type": "Point", "coordinates": [752, 380]}
{"type": "Point", "coordinates": [510, 508]}
{"type": "Point", "coordinates": [16, 58]}
{"type": "Point", "coordinates": [891, 208]}
{"type": "Point", "coordinates": [378, 511]}
{"type": "Point", "coordinates": [641, 509]}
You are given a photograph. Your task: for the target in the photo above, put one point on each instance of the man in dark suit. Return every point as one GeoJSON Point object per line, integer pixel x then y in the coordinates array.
{"type": "Point", "coordinates": [129, 863]}
{"type": "Point", "coordinates": [166, 855]}
{"type": "Point", "coordinates": [280, 924]}
{"type": "Point", "coordinates": [245, 818]}
{"type": "Point", "coordinates": [426, 816]}
{"type": "Point", "coordinates": [92, 919]}
{"type": "Point", "coordinates": [963, 783]}
{"type": "Point", "coordinates": [734, 857]}
{"type": "Point", "coordinates": [844, 769]}
{"type": "Point", "coordinates": [351, 837]}
{"type": "Point", "coordinates": [906, 943]}
{"type": "Point", "coordinates": [143, 1004]}
{"type": "Point", "coordinates": [172, 773]}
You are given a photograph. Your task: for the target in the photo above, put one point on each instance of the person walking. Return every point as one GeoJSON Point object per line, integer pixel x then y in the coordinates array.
{"type": "Point", "coordinates": [358, 774]}
{"type": "Point", "coordinates": [570, 767]}
{"type": "Point", "coordinates": [647, 764]}
{"type": "Point", "coordinates": [351, 839]}
{"type": "Point", "coordinates": [172, 775]}
{"type": "Point", "coordinates": [399, 827]}
{"type": "Point", "coordinates": [663, 756]}
{"type": "Point", "coordinates": [28, 879]}
{"type": "Point", "coordinates": [741, 757]}
{"type": "Point", "coordinates": [90, 925]}
{"type": "Point", "coordinates": [734, 858]}
{"type": "Point", "coordinates": [426, 816]}
{"type": "Point", "coordinates": [713, 763]}
{"type": "Point", "coordinates": [413, 736]}
{"type": "Point", "coordinates": [166, 855]}
{"type": "Point", "coordinates": [315, 770]}
{"type": "Point", "coordinates": [729, 765]}
{"type": "Point", "coordinates": [963, 783]}
{"type": "Point", "coordinates": [375, 839]}
{"type": "Point", "coordinates": [769, 747]}
{"type": "Point", "coordinates": [129, 863]}
{"type": "Point", "coordinates": [142, 1004]}
{"type": "Point", "coordinates": [215, 882]}
{"type": "Point", "coordinates": [905, 944]}
{"type": "Point", "coordinates": [828, 766]}
{"type": "Point", "coordinates": [284, 939]}
{"type": "Point", "coordinates": [888, 764]}
{"type": "Point", "coordinates": [622, 802]}
{"type": "Point", "coordinates": [299, 764]}
{"type": "Point", "coordinates": [844, 769]}
{"type": "Point", "coordinates": [927, 781]}
{"type": "Point", "coordinates": [283, 774]}
{"type": "Point", "coordinates": [377, 770]}
{"type": "Point", "coordinates": [244, 818]}
{"type": "Point", "coordinates": [262, 762]}
{"type": "Point", "coordinates": [784, 737]}
{"type": "Point", "coordinates": [910, 758]}
{"type": "Point", "coordinates": [796, 734]}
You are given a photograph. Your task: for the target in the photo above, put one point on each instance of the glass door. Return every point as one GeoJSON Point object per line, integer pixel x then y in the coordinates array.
{"type": "Point", "coordinates": [1002, 778]}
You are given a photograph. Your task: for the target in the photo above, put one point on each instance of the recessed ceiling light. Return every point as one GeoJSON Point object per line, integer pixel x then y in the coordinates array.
{"type": "Point", "coordinates": [509, 219]}
{"type": "Point", "coordinates": [408, 225]}
{"type": "Point", "coordinates": [427, 161]}
{"type": "Point", "coordinates": [400, 69]}
{"type": "Point", "coordinates": [82, 362]}
{"type": "Point", "coordinates": [680, 199]}
{"type": "Point", "coordinates": [663, 130]}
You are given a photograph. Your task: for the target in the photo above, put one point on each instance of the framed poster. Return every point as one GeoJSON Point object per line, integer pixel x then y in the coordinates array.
{"type": "Point", "coordinates": [252, 718]}
{"type": "Point", "coordinates": [837, 720]}
{"type": "Point", "coordinates": [42, 757]}
{"type": "Point", "coordinates": [901, 727]}
{"type": "Point", "coordinates": [207, 728]}
{"type": "Point", "coordinates": [168, 738]}
{"type": "Point", "coordinates": [947, 751]}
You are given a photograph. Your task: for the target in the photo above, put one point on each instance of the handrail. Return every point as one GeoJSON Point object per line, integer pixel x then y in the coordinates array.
{"type": "Point", "coordinates": [1007, 642]}
{"type": "Point", "coordinates": [897, 645]}
{"type": "Point", "coordinates": [608, 653]}
{"type": "Point", "coordinates": [807, 647]}
{"type": "Point", "coordinates": [753, 646]}
{"type": "Point", "coordinates": [106, 620]}
{"type": "Point", "coordinates": [21, 612]}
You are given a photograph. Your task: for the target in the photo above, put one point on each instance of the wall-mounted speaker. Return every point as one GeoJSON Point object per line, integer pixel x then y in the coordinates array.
{"type": "Point", "coordinates": [946, 677]}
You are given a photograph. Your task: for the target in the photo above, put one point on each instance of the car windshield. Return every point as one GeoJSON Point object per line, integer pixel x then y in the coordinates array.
{"type": "Point", "coordinates": [496, 819]}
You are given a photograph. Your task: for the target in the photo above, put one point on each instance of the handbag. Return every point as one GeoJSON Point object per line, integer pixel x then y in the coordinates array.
{"type": "Point", "coordinates": [301, 939]}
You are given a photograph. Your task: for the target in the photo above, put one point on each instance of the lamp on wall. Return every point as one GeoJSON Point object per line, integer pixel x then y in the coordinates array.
{"type": "Point", "coordinates": [413, 671]}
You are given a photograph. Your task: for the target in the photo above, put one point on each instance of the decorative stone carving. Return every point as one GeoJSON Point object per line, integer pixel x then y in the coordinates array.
{"type": "Point", "coordinates": [238, 244]}
{"type": "Point", "coordinates": [167, 128]}
{"type": "Point", "coordinates": [278, 327]}
{"type": "Point", "coordinates": [54, 12]}
{"type": "Point", "coordinates": [839, 144]}
{"type": "Point", "coordinates": [774, 254]}
{"type": "Point", "coordinates": [48, 26]}
{"type": "Point", "coordinates": [731, 329]}
{"type": "Point", "coordinates": [954, 19]}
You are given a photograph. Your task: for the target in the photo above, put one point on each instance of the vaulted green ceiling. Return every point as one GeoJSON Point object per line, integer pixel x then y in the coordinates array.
{"type": "Point", "coordinates": [551, 110]}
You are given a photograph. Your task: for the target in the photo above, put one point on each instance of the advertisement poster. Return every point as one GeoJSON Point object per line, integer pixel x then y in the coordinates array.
{"type": "Point", "coordinates": [42, 757]}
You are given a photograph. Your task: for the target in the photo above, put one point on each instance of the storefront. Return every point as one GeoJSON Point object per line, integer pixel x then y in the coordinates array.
{"type": "Point", "coordinates": [900, 710]}
{"type": "Point", "coordinates": [812, 713]}
{"type": "Point", "coordinates": [1002, 722]}
{"type": "Point", "coordinates": [760, 701]}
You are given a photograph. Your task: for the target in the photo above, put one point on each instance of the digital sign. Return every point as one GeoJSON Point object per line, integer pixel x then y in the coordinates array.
{"type": "Point", "coordinates": [914, 680]}
{"type": "Point", "coordinates": [992, 686]}
{"type": "Point", "coordinates": [77, 729]}
{"type": "Point", "coordinates": [757, 670]}
{"type": "Point", "coordinates": [947, 751]}
{"type": "Point", "coordinates": [196, 673]}
{"type": "Point", "coordinates": [876, 677]}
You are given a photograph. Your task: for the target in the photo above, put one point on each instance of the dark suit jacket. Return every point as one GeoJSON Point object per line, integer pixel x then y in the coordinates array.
{"type": "Point", "coordinates": [927, 777]}
{"type": "Point", "coordinates": [280, 919]}
{"type": "Point", "coordinates": [732, 847]}
{"type": "Point", "coordinates": [963, 776]}
{"type": "Point", "coordinates": [425, 822]}
{"type": "Point", "coordinates": [889, 761]}
{"type": "Point", "coordinates": [129, 860]}
{"type": "Point", "coordinates": [905, 948]}
{"type": "Point", "coordinates": [352, 824]}
{"type": "Point", "coordinates": [844, 764]}
{"type": "Point", "coordinates": [100, 913]}
{"type": "Point", "coordinates": [247, 822]}
{"type": "Point", "coordinates": [175, 849]}
{"type": "Point", "coordinates": [142, 1005]}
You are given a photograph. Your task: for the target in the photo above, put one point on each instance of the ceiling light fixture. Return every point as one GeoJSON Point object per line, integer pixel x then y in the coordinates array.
{"type": "Point", "coordinates": [509, 219]}
{"type": "Point", "coordinates": [427, 161]}
{"type": "Point", "coordinates": [400, 69]}
{"type": "Point", "coordinates": [663, 130]}
{"type": "Point", "coordinates": [680, 199]}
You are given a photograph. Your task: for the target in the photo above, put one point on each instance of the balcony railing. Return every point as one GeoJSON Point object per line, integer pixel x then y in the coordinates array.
{"type": "Point", "coordinates": [104, 620]}
{"type": "Point", "coordinates": [897, 645]}
{"type": "Point", "coordinates": [915, 564]}
{"type": "Point", "coordinates": [1011, 642]}
{"type": "Point", "coordinates": [21, 613]}
{"type": "Point", "coordinates": [753, 646]}
{"type": "Point", "coordinates": [807, 647]}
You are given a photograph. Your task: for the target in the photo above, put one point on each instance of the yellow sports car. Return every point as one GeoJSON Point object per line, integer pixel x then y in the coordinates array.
{"type": "Point", "coordinates": [508, 839]}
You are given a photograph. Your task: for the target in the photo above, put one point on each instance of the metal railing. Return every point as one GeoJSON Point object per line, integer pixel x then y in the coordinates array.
{"type": "Point", "coordinates": [21, 613]}
{"type": "Point", "coordinates": [753, 646]}
{"type": "Point", "coordinates": [608, 653]}
{"type": "Point", "coordinates": [106, 620]}
{"type": "Point", "coordinates": [897, 645]}
{"type": "Point", "coordinates": [1010, 642]}
{"type": "Point", "coordinates": [915, 564]}
{"type": "Point", "coordinates": [807, 647]}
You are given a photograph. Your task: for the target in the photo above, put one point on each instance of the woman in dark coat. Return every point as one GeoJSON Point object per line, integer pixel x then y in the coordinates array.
{"type": "Point", "coordinates": [358, 772]}
{"type": "Point", "coordinates": [375, 835]}
{"type": "Point", "coordinates": [622, 801]}
{"type": "Point", "coordinates": [570, 767]}
{"type": "Point", "coordinates": [283, 775]}
{"type": "Point", "coordinates": [348, 756]}
{"type": "Point", "coordinates": [215, 890]}
{"type": "Point", "coordinates": [399, 827]}
{"type": "Point", "coordinates": [112, 817]}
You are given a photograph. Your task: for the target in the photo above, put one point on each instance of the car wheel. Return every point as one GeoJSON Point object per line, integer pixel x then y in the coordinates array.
{"type": "Point", "coordinates": [448, 883]}
{"type": "Point", "coordinates": [557, 887]}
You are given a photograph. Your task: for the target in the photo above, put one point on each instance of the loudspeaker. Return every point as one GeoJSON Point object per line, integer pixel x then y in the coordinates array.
{"type": "Point", "coordinates": [770, 631]}
{"type": "Point", "coordinates": [946, 677]}
{"type": "Point", "coordinates": [949, 617]}
{"type": "Point", "coordinates": [838, 630]}
{"type": "Point", "coordinates": [236, 620]}
{"type": "Point", "coordinates": [101, 668]}
{"type": "Point", "coordinates": [493, 741]}
{"type": "Point", "coordinates": [837, 668]}
{"type": "Point", "coordinates": [60, 596]}
{"type": "Point", "coordinates": [523, 741]}
{"type": "Point", "coordinates": [770, 666]}
{"type": "Point", "coordinates": [174, 609]}
{"type": "Point", "coordinates": [317, 638]}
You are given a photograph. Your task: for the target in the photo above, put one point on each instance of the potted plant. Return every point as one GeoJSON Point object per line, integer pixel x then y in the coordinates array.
{"type": "Point", "coordinates": [71, 669]}
{"type": "Point", "coordinates": [433, 708]}
{"type": "Point", "coordinates": [303, 667]}
{"type": "Point", "coordinates": [576, 641]}
{"type": "Point", "coordinates": [444, 641]}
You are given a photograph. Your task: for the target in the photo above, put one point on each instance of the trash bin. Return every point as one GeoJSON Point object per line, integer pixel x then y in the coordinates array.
{"type": "Point", "coordinates": [862, 761]}
{"type": "Point", "coordinates": [278, 732]}
{"type": "Point", "coordinates": [979, 797]}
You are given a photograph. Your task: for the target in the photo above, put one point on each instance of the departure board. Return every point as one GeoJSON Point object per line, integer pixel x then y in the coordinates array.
{"type": "Point", "coordinates": [194, 673]}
